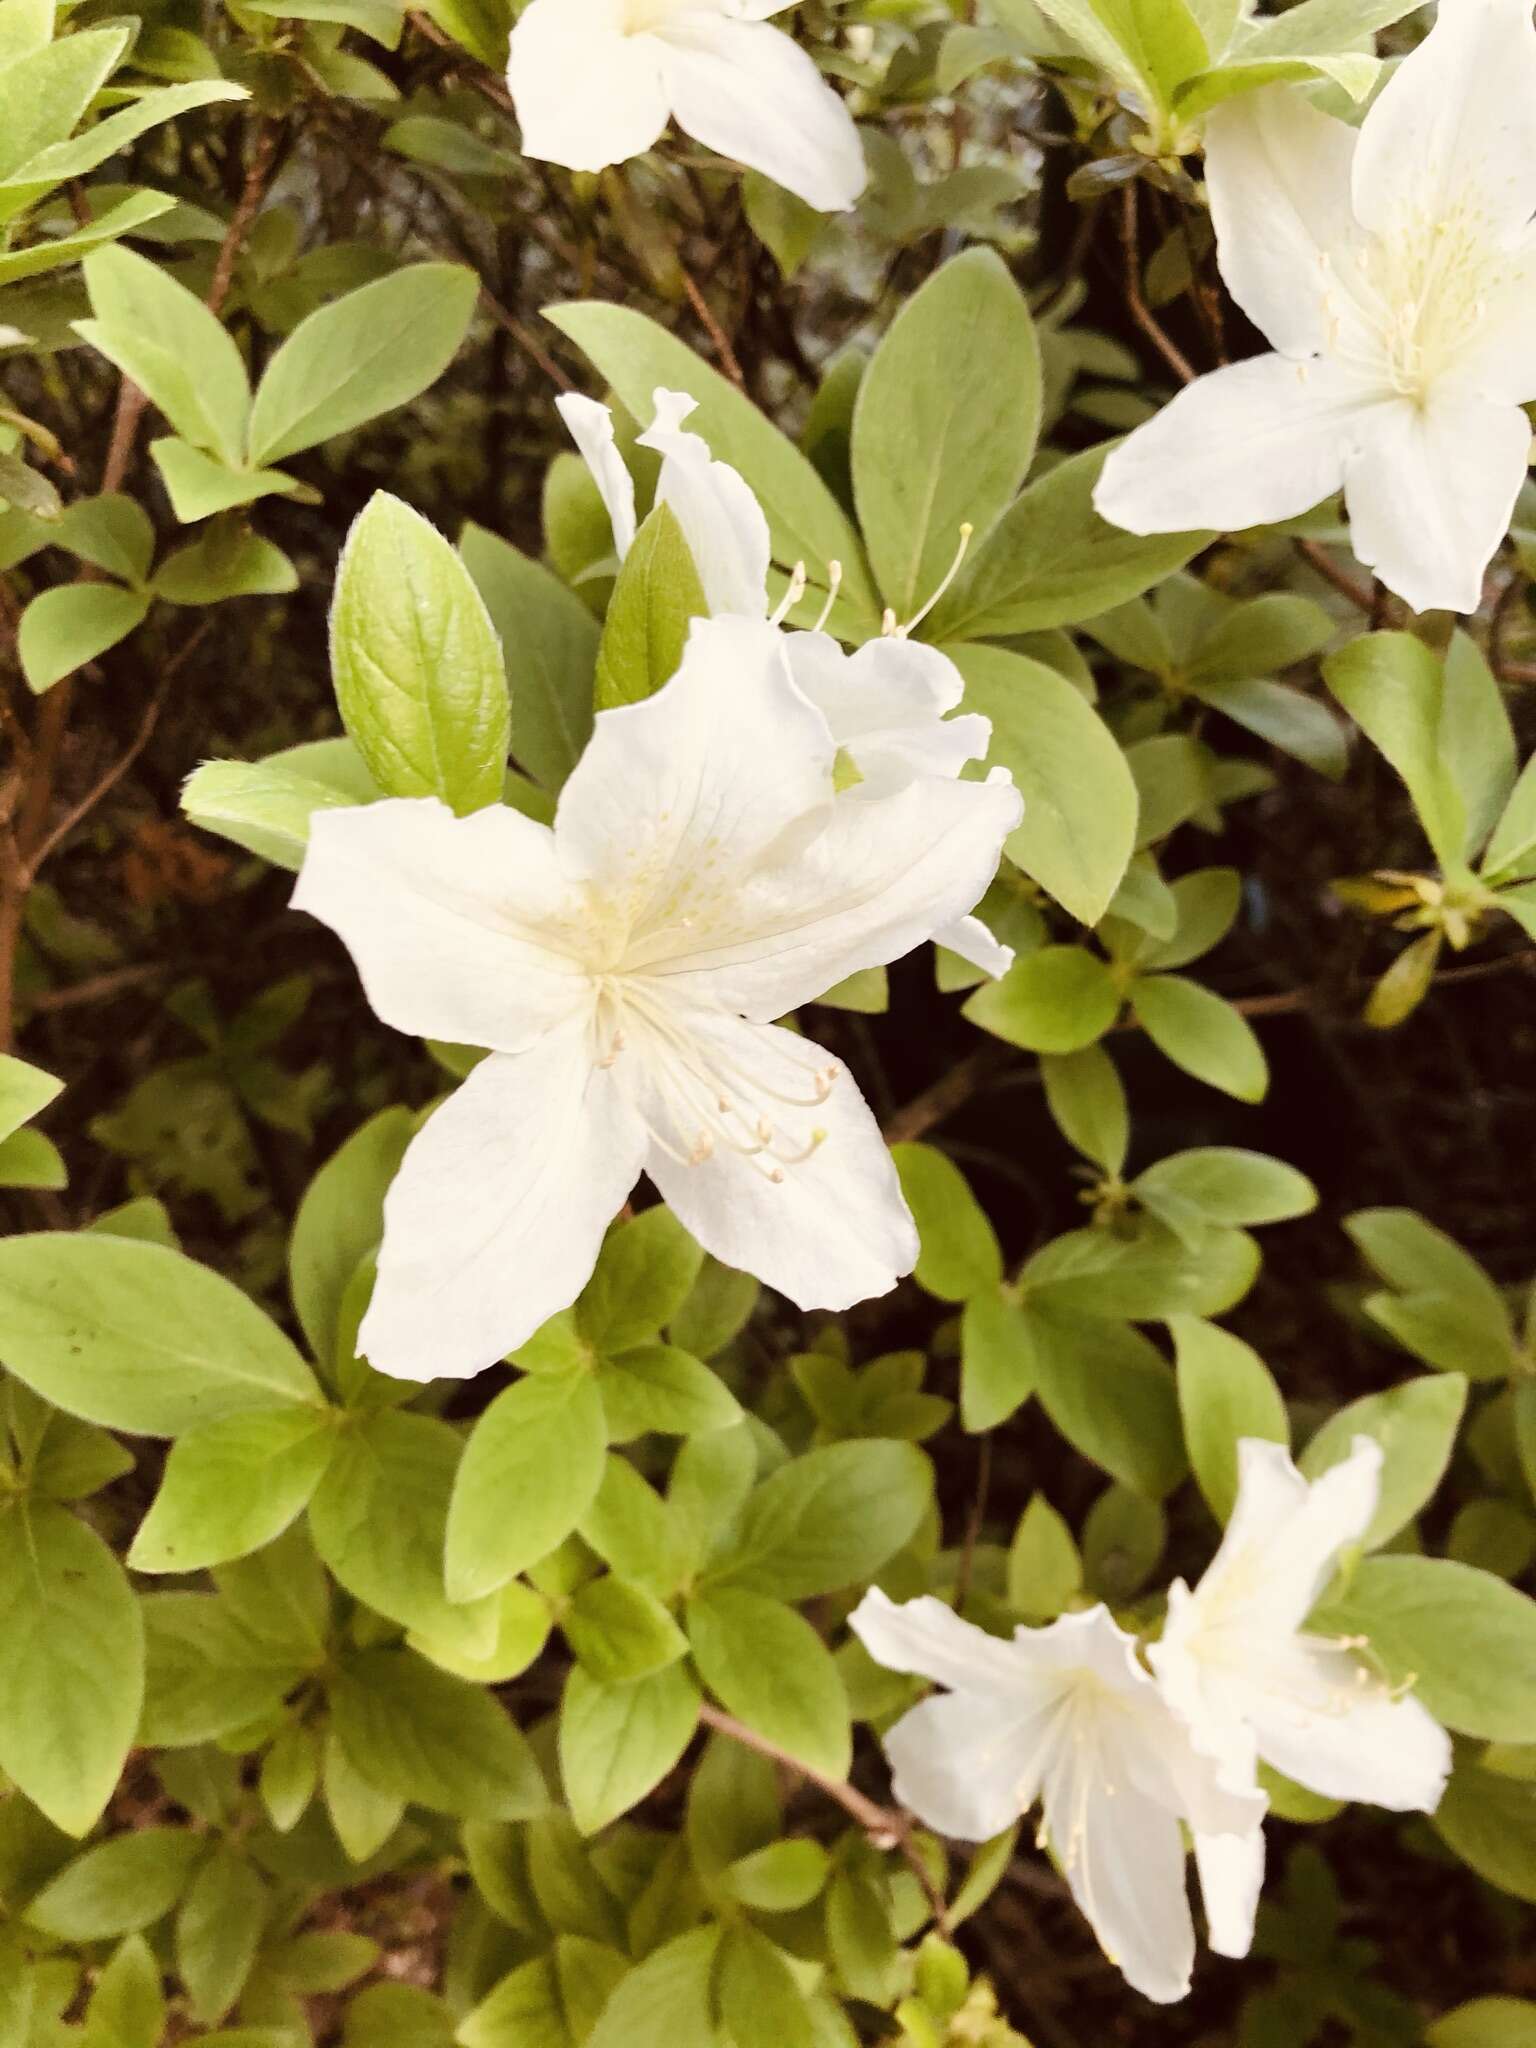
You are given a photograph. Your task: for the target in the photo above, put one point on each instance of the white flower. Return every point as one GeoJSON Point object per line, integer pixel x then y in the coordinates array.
{"type": "Point", "coordinates": [1068, 1716]}
{"type": "Point", "coordinates": [596, 81]}
{"type": "Point", "coordinates": [886, 705]}
{"type": "Point", "coordinates": [1235, 1663]}
{"type": "Point", "coordinates": [622, 968]}
{"type": "Point", "coordinates": [1394, 271]}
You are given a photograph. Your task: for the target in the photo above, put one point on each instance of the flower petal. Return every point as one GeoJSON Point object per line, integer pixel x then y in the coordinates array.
{"type": "Point", "coordinates": [971, 939]}
{"type": "Point", "coordinates": [747, 90]}
{"type": "Point", "coordinates": [877, 880]}
{"type": "Point", "coordinates": [495, 1219]}
{"type": "Point", "coordinates": [456, 924]}
{"type": "Point", "coordinates": [928, 1639]}
{"type": "Point", "coordinates": [587, 94]}
{"type": "Point", "coordinates": [687, 790]}
{"type": "Point", "coordinates": [1231, 1871]}
{"type": "Point", "coordinates": [968, 1766]}
{"type": "Point", "coordinates": [886, 705]}
{"type": "Point", "coordinates": [725, 527]}
{"type": "Point", "coordinates": [1431, 490]}
{"type": "Point", "coordinates": [1278, 172]}
{"type": "Point", "coordinates": [591, 428]}
{"type": "Point", "coordinates": [1246, 446]}
{"type": "Point", "coordinates": [1498, 360]}
{"type": "Point", "coordinates": [1123, 1855]}
{"type": "Point", "coordinates": [816, 1210]}
{"type": "Point", "coordinates": [1323, 1720]}
{"type": "Point", "coordinates": [1451, 135]}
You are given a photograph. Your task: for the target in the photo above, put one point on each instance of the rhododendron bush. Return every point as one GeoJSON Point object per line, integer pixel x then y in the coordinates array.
{"type": "Point", "coordinates": [767, 899]}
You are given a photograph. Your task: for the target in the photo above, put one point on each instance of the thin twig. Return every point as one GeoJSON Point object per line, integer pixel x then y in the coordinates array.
{"type": "Point", "coordinates": [1361, 595]}
{"type": "Point", "coordinates": [1141, 312]}
{"type": "Point", "coordinates": [886, 1826]}
{"type": "Point", "coordinates": [259, 171]}
{"type": "Point", "coordinates": [525, 338]}
{"type": "Point", "coordinates": [716, 333]}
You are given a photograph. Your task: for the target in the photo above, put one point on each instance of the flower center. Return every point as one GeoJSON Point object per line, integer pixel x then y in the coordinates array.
{"type": "Point", "coordinates": [1424, 288]}
{"type": "Point", "coordinates": [646, 17]}
{"type": "Point", "coordinates": [697, 1093]}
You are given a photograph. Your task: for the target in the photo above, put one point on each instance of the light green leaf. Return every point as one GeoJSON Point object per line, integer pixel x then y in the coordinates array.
{"type": "Point", "coordinates": [1087, 1099]}
{"type": "Point", "coordinates": [266, 806]}
{"type": "Point", "coordinates": [1109, 1392]}
{"type": "Point", "coordinates": [658, 1388]}
{"type": "Point", "coordinates": [1222, 1184]}
{"type": "Point", "coordinates": [232, 1486]}
{"type": "Point", "coordinates": [619, 1632]}
{"type": "Point", "coordinates": [422, 1736]}
{"type": "Point", "coordinates": [829, 1519]}
{"type": "Point", "coordinates": [1058, 1000]}
{"type": "Point", "coordinates": [767, 1665]}
{"type": "Point", "coordinates": [654, 603]}
{"type": "Point", "coordinates": [1194, 1028]}
{"type": "Point", "coordinates": [218, 1931]}
{"type": "Point", "coordinates": [24, 1090]}
{"type": "Point", "coordinates": [341, 1220]}
{"type": "Point", "coordinates": [1226, 1393]}
{"type": "Point", "coordinates": [136, 1337]}
{"type": "Point", "coordinates": [1416, 1425]}
{"type": "Point", "coordinates": [530, 1471]}
{"type": "Point", "coordinates": [362, 355]}
{"type": "Point", "coordinates": [165, 339]}
{"type": "Point", "coordinates": [644, 1273]}
{"type": "Point", "coordinates": [64, 628]}
{"type": "Point", "coordinates": [117, 1886]}
{"type": "Point", "coordinates": [617, 1742]}
{"type": "Point", "coordinates": [549, 644]}
{"type": "Point", "coordinates": [199, 485]}
{"type": "Point", "coordinates": [665, 2001]}
{"type": "Point", "coordinates": [1486, 2023]}
{"type": "Point", "coordinates": [1045, 1572]}
{"type": "Point", "coordinates": [418, 671]}
{"type": "Point", "coordinates": [959, 1253]}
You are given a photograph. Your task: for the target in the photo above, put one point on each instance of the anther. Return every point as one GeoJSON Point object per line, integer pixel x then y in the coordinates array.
{"type": "Point", "coordinates": [954, 570]}
{"type": "Point", "coordinates": [792, 595]}
{"type": "Point", "coordinates": [834, 585]}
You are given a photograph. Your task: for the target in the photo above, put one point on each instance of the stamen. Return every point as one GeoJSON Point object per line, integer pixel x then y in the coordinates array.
{"type": "Point", "coordinates": [791, 597]}
{"type": "Point", "coordinates": [954, 570]}
{"type": "Point", "coordinates": [834, 585]}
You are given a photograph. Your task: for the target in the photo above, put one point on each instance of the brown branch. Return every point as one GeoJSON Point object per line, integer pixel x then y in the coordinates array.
{"type": "Point", "coordinates": [525, 338]}
{"type": "Point", "coordinates": [949, 1093]}
{"type": "Point", "coordinates": [886, 1826]}
{"type": "Point", "coordinates": [1361, 595]}
{"type": "Point", "coordinates": [257, 176]}
{"type": "Point", "coordinates": [719, 338]}
{"type": "Point", "coordinates": [1141, 312]}
{"type": "Point", "coordinates": [98, 988]}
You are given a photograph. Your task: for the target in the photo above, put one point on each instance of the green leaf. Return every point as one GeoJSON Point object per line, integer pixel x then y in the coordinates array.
{"type": "Point", "coordinates": [1464, 1640]}
{"type": "Point", "coordinates": [1087, 1099]}
{"type": "Point", "coordinates": [1080, 803]}
{"type": "Point", "coordinates": [72, 1680]}
{"type": "Point", "coordinates": [207, 1675]}
{"type": "Point", "coordinates": [218, 1931]}
{"type": "Point", "coordinates": [780, 1878]}
{"type": "Point", "coordinates": [47, 89]}
{"type": "Point", "coordinates": [363, 1816]}
{"type": "Point", "coordinates": [665, 2001]}
{"type": "Point", "coordinates": [1416, 1425]}
{"type": "Point", "coordinates": [362, 355]}
{"type": "Point", "coordinates": [945, 424]}
{"type": "Point", "coordinates": [113, 532]}
{"type": "Point", "coordinates": [163, 337]}
{"type": "Point", "coordinates": [767, 1666]}
{"type": "Point", "coordinates": [379, 1518]}
{"type": "Point", "coordinates": [51, 166]}
{"type": "Point", "coordinates": [1298, 725]}
{"type": "Point", "coordinates": [418, 672]}
{"type": "Point", "coordinates": [1222, 1184]}
{"type": "Point", "coordinates": [1486, 2023]}
{"type": "Point", "coordinates": [340, 1221]}
{"type": "Point", "coordinates": [1194, 1028]}
{"type": "Point", "coordinates": [530, 1471]}
{"type": "Point", "coordinates": [1226, 1393]}
{"type": "Point", "coordinates": [654, 603]}
{"type": "Point", "coordinates": [199, 484]}
{"type": "Point", "coordinates": [127, 2008]}
{"type": "Point", "coordinates": [420, 1735]}
{"type": "Point", "coordinates": [618, 1741]}
{"type": "Point", "coordinates": [959, 1253]}
{"type": "Point", "coordinates": [760, 2001]}
{"type": "Point", "coordinates": [29, 1160]}
{"type": "Point", "coordinates": [136, 1337]}
{"type": "Point", "coordinates": [1109, 1392]}
{"type": "Point", "coordinates": [1143, 1277]}
{"type": "Point", "coordinates": [619, 1632]}
{"type": "Point", "coordinates": [644, 1274]}
{"type": "Point", "coordinates": [549, 643]}
{"type": "Point", "coordinates": [64, 628]}
{"type": "Point", "coordinates": [829, 1519]}
{"type": "Point", "coordinates": [1045, 1573]}
{"type": "Point", "coordinates": [1058, 1000]}
{"type": "Point", "coordinates": [997, 1360]}
{"type": "Point", "coordinates": [1392, 685]}
{"type": "Point", "coordinates": [118, 1886]}
{"type": "Point", "coordinates": [1490, 1822]}
{"type": "Point", "coordinates": [1051, 561]}
{"type": "Point", "coordinates": [266, 806]}
{"type": "Point", "coordinates": [232, 1486]}
{"type": "Point", "coordinates": [658, 1388]}
{"type": "Point", "coordinates": [1411, 1254]}
{"type": "Point", "coordinates": [805, 521]}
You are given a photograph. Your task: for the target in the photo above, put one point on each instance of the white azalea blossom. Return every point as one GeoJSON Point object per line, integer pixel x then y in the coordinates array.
{"type": "Point", "coordinates": [622, 969]}
{"type": "Point", "coordinates": [887, 704]}
{"type": "Point", "coordinates": [1068, 1716]}
{"type": "Point", "coordinates": [1393, 269]}
{"type": "Point", "coordinates": [597, 81]}
{"type": "Point", "coordinates": [1236, 1663]}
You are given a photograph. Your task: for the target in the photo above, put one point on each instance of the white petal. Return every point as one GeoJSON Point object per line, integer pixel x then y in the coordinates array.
{"type": "Point", "coordinates": [1231, 1871]}
{"type": "Point", "coordinates": [495, 1219]}
{"type": "Point", "coordinates": [747, 90]}
{"type": "Point", "coordinates": [1278, 172]}
{"type": "Point", "coordinates": [967, 1766]}
{"type": "Point", "coordinates": [1498, 359]}
{"type": "Point", "coordinates": [1431, 490]}
{"type": "Point", "coordinates": [456, 925]}
{"type": "Point", "coordinates": [1451, 135]}
{"type": "Point", "coordinates": [1323, 1720]}
{"type": "Point", "coordinates": [1248, 445]}
{"type": "Point", "coordinates": [591, 428]}
{"type": "Point", "coordinates": [723, 524]}
{"type": "Point", "coordinates": [587, 95]}
{"type": "Point", "coordinates": [928, 1639]}
{"type": "Point", "coordinates": [833, 1227]}
{"type": "Point", "coordinates": [970, 938]}
{"type": "Point", "coordinates": [1123, 1854]}
{"type": "Point", "coordinates": [877, 880]}
{"type": "Point", "coordinates": [695, 785]}
{"type": "Point", "coordinates": [886, 705]}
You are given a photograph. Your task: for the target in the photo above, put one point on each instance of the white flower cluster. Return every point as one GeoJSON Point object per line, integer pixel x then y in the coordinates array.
{"type": "Point", "coordinates": [705, 874]}
{"type": "Point", "coordinates": [1123, 1760]}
